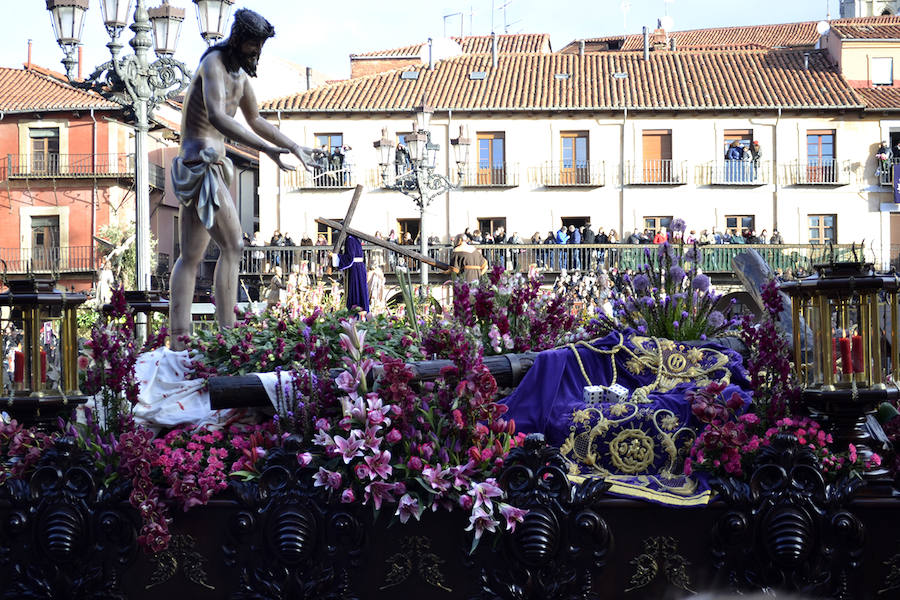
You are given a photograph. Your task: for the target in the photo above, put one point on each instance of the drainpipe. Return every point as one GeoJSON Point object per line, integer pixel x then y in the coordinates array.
{"type": "Point", "coordinates": [278, 176]}
{"type": "Point", "coordinates": [646, 44]}
{"type": "Point", "coordinates": [775, 171]}
{"type": "Point", "coordinates": [308, 78]}
{"type": "Point", "coordinates": [622, 173]}
{"type": "Point", "coordinates": [94, 188]}
{"type": "Point", "coordinates": [28, 64]}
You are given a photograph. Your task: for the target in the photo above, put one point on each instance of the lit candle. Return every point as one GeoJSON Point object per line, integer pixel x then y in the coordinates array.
{"type": "Point", "coordinates": [19, 367]}
{"type": "Point", "coordinates": [846, 359]}
{"type": "Point", "coordinates": [857, 353]}
{"type": "Point", "coordinates": [43, 366]}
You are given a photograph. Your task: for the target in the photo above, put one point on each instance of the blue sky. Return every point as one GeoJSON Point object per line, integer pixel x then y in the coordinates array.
{"type": "Point", "coordinates": [323, 39]}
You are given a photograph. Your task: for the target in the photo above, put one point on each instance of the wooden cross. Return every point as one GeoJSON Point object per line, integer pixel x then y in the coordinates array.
{"type": "Point", "coordinates": [344, 229]}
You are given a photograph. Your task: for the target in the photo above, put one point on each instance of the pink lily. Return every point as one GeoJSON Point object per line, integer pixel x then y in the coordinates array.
{"type": "Point", "coordinates": [380, 464]}
{"type": "Point", "coordinates": [408, 507]}
{"type": "Point", "coordinates": [378, 492]}
{"type": "Point", "coordinates": [484, 491]}
{"type": "Point", "coordinates": [481, 520]}
{"type": "Point", "coordinates": [512, 515]}
{"type": "Point", "coordinates": [349, 448]}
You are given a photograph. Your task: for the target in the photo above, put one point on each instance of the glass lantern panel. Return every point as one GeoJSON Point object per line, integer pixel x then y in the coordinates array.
{"type": "Point", "coordinates": [11, 338]}
{"type": "Point", "coordinates": [50, 342]}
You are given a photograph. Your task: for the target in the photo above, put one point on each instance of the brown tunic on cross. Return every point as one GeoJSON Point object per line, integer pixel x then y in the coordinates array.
{"type": "Point", "coordinates": [468, 262]}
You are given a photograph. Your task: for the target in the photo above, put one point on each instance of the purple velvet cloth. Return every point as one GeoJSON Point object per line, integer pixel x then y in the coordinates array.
{"type": "Point", "coordinates": [356, 290]}
{"type": "Point", "coordinates": [551, 393]}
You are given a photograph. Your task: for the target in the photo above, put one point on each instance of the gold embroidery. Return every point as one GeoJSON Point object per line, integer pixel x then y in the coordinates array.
{"type": "Point", "coordinates": [631, 451]}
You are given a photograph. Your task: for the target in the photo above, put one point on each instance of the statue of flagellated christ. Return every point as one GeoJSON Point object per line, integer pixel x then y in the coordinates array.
{"type": "Point", "coordinates": [201, 173]}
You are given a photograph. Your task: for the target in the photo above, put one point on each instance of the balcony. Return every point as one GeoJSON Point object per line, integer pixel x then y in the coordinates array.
{"type": "Point", "coordinates": [321, 179]}
{"type": "Point", "coordinates": [656, 172]}
{"type": "Point", "coordinates": [505, 175]}
{"type": "Point", "coordinates": [826, 172]}
{"type": "Point", "coordinates": [69, 259]}
{"type": "Point", "coordinates": [553, 174]}
{"type": "Point", "coordinates": [736, 173]}
{"type": "Point", "coordinates": [886, 176]}
{"type": "Point", "coordinates": [45, 165]}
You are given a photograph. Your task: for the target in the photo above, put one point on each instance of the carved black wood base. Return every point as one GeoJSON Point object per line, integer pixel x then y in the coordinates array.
{"type": "Point", "coordinates": [789, 530]}
{"type": "Point", "coordinates": [563, 540]}
{"type": "Point", "coordinates": [290, 543]}
{"type": "Point", "coordinates": [67, 535]}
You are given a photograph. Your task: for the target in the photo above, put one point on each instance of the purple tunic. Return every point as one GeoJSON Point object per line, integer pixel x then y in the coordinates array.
{"type": "Point", "coordinates": [351, 260]}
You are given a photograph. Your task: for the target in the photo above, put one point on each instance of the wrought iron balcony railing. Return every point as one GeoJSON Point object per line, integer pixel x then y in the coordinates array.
{"type": "Point", "coordinates": [502, 175]}
{"type": "Point", "coordinates": [656, 172]}
{"type": "Point", "coordinates": [819, 172]}
{"type": "Point", "coordinates": [886, 171]}
{"type": "Point", "coordinates": [68, 259]}
{"type": "Point", "coordinates": [45, 164]}
{"type": "Point", "coordinates": [735, 172]}
{"type": "Point", "coordinates": [321, 178]}
{"type": "Point", "coordinates": [577, 174]}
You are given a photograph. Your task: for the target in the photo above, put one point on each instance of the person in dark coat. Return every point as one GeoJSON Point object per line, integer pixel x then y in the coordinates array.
{"type": "Point", "coordinates": [467, 261]}
{"type": "Point", "coordinates": [353, 264]}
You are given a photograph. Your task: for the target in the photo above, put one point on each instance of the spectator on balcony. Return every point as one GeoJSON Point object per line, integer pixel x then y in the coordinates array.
{"type": "Point", "coordinates": [633, 238]}
{"type": "Point", "coordinates": [613, 238]}
{"type": "Point", "coordinates": [646, 237]}
{"type": "Point", "coordinates": [661, 236]}
{"type": "Point", "coordinates": [402, 162]}
{"type": "Point", "coordinates": [562, 238]}
{"type": "Point", "coordinates": [776, 237]}
{"type": "Point", "coordinates": [705, 238]}
{"type": "Point", "coordinates": [348, 163]}
{"type": "Point", "coordinates": [575, 239]}
{"type": "Point", "coordinates": [548, 255]}
{"type": "Point", "coordinates": [755, 156]}
{"type": "Point", "coordinates": [734, 162]}
{"type": "Point", "coordinates": [763, 237]}
{"type": "Point", "coordinates": [476, 238]}
{"type": "Point", "coordinates": [691, 237]}
{"type": "Point", "coordinates": [257, 256]}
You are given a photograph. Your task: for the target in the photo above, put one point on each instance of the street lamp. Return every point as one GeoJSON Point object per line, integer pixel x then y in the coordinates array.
{"type": "Point", "coordinates": [418, 179]}
{"type": "Point", "coordinates": [134, 81]}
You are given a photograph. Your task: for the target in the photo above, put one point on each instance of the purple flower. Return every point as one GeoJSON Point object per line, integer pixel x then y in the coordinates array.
{"type": "Point", "coordinates": [408, 507]}
{"type": "Point", "coordinates": [326, 478]}
{"type": "Point", "coordinates": [677, 225]}
{"type": "Point", "coordinates": [641, 283]}
{"type": "Point", "coordinates": [700, 283]}
{"type": "Point", "coordinates": [677, 274]}
{"type": "Point", "coordinates": [693, 254]}
{"type": "Point", "coordinates": [304, 458]}
{"type": "Point", "coordinates": [715, 319]}
{"type": "Point", "coordinates": [480, 521]}
{"type": "Point", "coordinates": [436, 478]}
{"type": "Point", "coordinates": [347, 496]}
{"type": "Point", "coordinates": [380, 464]}
{"type": "Point", "coordinates": [378, 492]}
{"type": "Point", "coordinates": [349, 448]}
{"type": "Point", "coordinates": [512, 515]}
{"type": "Point", "coordinates": [484, 491]}
{"type": "Point", "coordinates": [347, 382]}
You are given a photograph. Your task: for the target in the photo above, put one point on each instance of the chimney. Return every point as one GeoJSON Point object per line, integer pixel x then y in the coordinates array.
{"type": "Point", "coordinates": [581, 48]}
{"type": "Point", "coordinates": [806, 61]}
{"type": "Point", "coordinates": [430, 54]}
{"type": "Point", "coordinates": [28, 64]}
{"type": "Point", "coordinates": [672, 44]}
{"type": "Point", "coordinates": [308, 78]}
{"type": "Point", "coordinates": [494, 49]}
{"type": "Point", "coordinates": [646, 44]}
{"type": "Point", "coordinates": [79, 61]}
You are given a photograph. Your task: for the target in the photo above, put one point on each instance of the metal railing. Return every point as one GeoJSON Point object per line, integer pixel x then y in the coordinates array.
{"type": "Point", "coordinates": [68, 259]}
{"type": "Point", "coordinates": [45, 164]}
{"type": "Point", "coordinates": [736, 172]}
{"type": "Point", "coordinates": [714, 258]}
{"type": "Point", "coordinates": [157, 176]}
{"type": "Point", "coordinates": [822, 172]}
{"type": "Point", "coordinates": [578, 174]}
{"type": "Point", "coordinates": [886, 171]}
{"type": "Point", "coordinates": [656, 172]}
{"type": "Point", "coordinates": [321, 178]}
{"type": "Point", "coordinates": [497, 175]}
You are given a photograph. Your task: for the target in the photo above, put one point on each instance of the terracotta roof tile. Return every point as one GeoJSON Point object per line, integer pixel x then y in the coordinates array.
{"type": "Point", "coordinates": [669, 80]}
{"type": "Point", "coordinates": [28, 89]}
{"type": "Point", "coordinates": [883, 31]}
{"type": "Point", "coordinates": [474, 44]}
{"type": "Point", "coordinates": [784, 35]}
{"type": "Point", "coordinates": [881, 98]}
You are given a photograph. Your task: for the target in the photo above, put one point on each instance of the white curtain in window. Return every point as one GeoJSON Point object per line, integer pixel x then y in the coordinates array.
{"type": "Point", "coordinates": [883, 71]}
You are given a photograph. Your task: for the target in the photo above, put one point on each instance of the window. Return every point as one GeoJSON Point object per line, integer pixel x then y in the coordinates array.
{"type": "Point", "coordinates": [491, 158]}
{"type": "Point", "coordinates": [44, 149]}
{"type": "Point", "coordinates": [45, 242]}
{"type": "Point", "coordinates": [741, 136]}
{"type": "Point", "coordinates": [326, 231]}
{"type": "Point", "coordinates": [654, 224]}
{"type": "Point", "coordinates": [329, 141]}
{"type": "Point", "coordinates": [738, 224]}
{"type": "Point", "coordinates": [820, 153]}
{"type": "Point", "coordinates": [410, 226]}
{"type": "Point", "coordinates": [822, 229]}
{"type": "Point", "coordinates": [491, 225]}
{"type": "Point", "coordinates": [657, 146]}
{"type": "Point", "coordinates": [574, 157]}
{"type": "Point", "coordinates": [882, 71]}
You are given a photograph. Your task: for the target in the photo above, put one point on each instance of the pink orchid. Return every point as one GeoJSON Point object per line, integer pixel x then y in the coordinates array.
{"type": "Point", "coordinates": [378, 492]}
{"type": "Point", "coordinates": [408, 507]}
{"type": "Point", "coordinates": [512, 515]}
{"type": "Point", "coordinates": [380, 464]}
{"type": "Point", "coordinates": [484, 491]}
{"type": "Point", "coordinates": [349, 448]}
{"type": "Point", "coordinates": [481, 520]}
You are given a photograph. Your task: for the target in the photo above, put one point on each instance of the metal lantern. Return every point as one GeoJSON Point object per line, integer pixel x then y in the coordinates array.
{"type": "Point", "coordinates": [42, 324]}
{"type": "Point", "coordinates": [212, 15]}
{"type": "Point", "coordinates": [845, 348]}
{"type": "Point", "coordinates": [166, 21]}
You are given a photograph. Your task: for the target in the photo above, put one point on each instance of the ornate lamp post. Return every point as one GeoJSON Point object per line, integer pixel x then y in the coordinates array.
{"type": "Point", "coordinates": [415, 175]}
{"type": "Point", "coordinates": [133, 80]}
{"type": "Point", "coordinates": [845, 321]}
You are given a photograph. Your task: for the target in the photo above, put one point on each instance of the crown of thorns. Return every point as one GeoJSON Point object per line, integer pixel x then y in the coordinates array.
{"type": "Point", "coordinates": [250, 24]}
